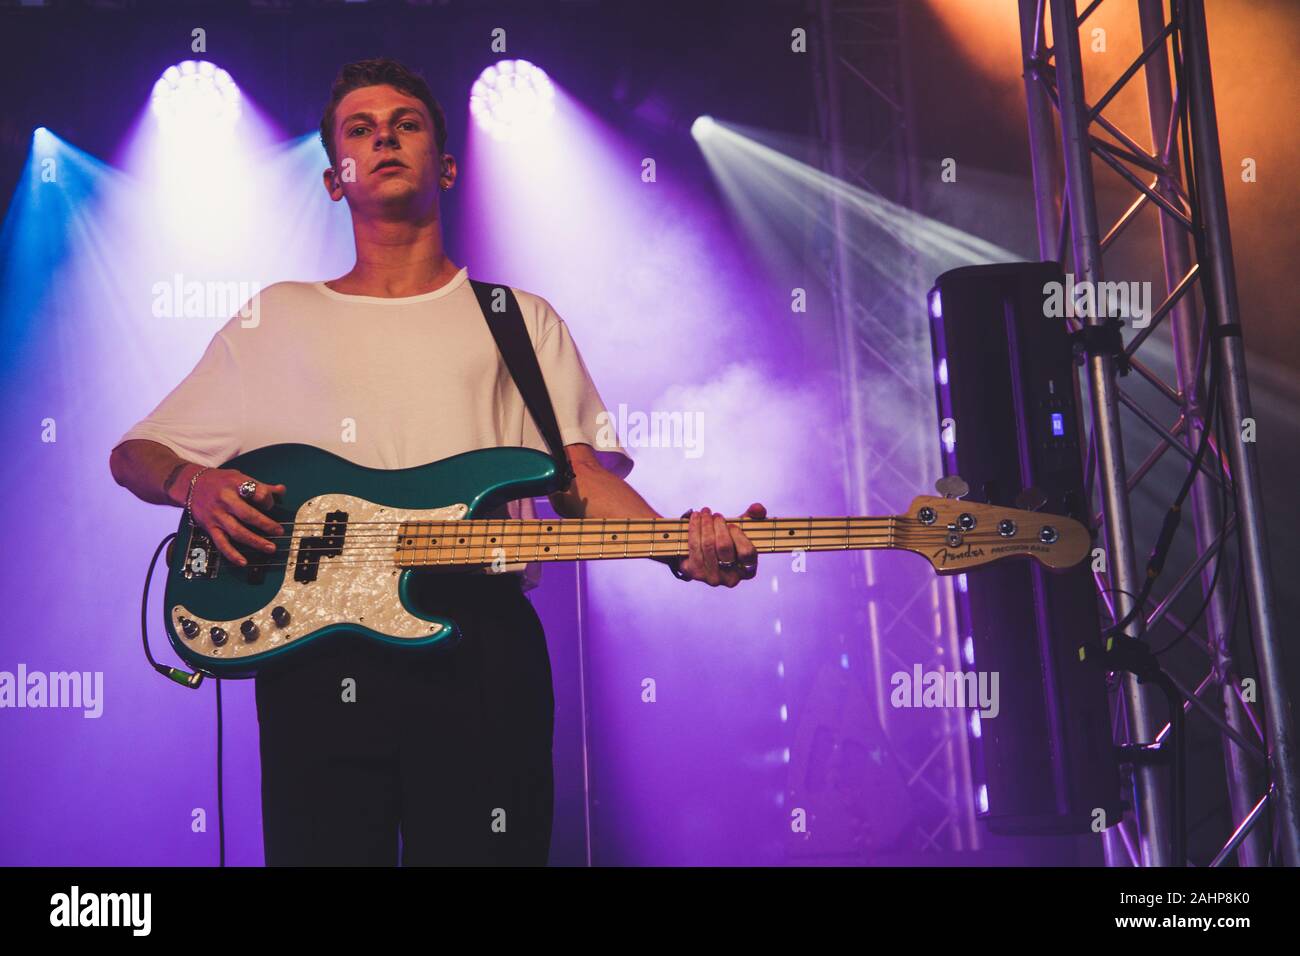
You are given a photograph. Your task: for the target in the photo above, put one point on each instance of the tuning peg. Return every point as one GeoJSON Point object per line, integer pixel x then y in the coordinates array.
{"type": "Point", "coordinates": [1031, 499]}
{"type": "Point", "coordinates": [952, 486]}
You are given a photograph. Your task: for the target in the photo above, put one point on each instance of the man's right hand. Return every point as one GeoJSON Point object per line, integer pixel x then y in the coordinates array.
{"type": "Point", "coordinates": [226, 517]}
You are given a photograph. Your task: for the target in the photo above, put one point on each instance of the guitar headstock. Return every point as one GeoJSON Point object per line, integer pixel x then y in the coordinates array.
{"type": "Point", "coordinates": [955, 535]}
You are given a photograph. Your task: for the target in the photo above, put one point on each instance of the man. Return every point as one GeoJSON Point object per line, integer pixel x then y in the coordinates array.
{"type": "Point", "coordinates": [391, 366]}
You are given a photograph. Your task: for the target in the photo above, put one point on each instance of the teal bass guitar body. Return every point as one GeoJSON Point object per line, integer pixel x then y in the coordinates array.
{"type": "Point", "coordinates": [342, 563]}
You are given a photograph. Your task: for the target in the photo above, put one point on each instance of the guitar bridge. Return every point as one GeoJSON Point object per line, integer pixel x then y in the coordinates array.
{"type": "Point", "coordinates": [201, 556]}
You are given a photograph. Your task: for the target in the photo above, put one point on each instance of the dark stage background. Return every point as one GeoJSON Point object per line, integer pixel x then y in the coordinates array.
{"type": "Point", "coordinates": [678, 292]}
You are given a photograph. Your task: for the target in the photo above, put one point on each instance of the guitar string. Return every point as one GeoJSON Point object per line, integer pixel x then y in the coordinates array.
{"type": "Point", "coordinates": [418, 543]}
{"type": "Point", "coordinates": [453, 530]}
{"type": "Point", "coordinates": [389, 545]}
{"type": "Point", "coordinates": [540, 522]}
{"type": "Point", "coordinates": [839, 519]}
{"type": "Point", "coordinates": [383, 556]}
{"type": "Point", "coordinates": [479, 534]}
{"type": "Point", "coordinates": [532, 535]}
{"type": "Point", "coordinates": [456, 529]}
{"type": "Point", "coordinates": [641, 536]}
{"type": "Point", "coordinates": [822, 522]}
{"type": "Point", "coordinates": [825, 520]}
{"type": "Point", "coordinates": [902, 521]}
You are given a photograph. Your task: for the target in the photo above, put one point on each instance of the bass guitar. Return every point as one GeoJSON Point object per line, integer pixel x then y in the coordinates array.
{"type": "Point", "coordinates": [355, 537]}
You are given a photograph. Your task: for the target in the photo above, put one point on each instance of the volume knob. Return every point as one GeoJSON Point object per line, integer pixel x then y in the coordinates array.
{"type": "Point", "coordinates": [249, 630]}
{"type": "Point", "coordinates": [189, 628]}
{"type": "Point", "coordinates": [280, 616]}
{"type": "Point", "coordinates": [218, 636]}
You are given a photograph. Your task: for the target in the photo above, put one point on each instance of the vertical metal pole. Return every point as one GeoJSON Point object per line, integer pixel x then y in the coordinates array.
{"type": "Point", "coordinates": [965, 834]}
{"type": "Point", "coordinates": [1086, 240]}
{"type": "Point", "coordinates": [843, 296]}
{"type": "Point", "coordinates": [1243, 787]}
{"type": "Point", "coordinates": [584, 705]}
{"type": "Point", "coordinates": [1222, 291]}
{"type": "Point", "coordinates": [1044, 163]}
{"type": "Point", "coordinates": [1042, 147]}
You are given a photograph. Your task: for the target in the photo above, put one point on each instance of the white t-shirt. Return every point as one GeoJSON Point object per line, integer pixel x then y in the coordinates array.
{"type": "Point", "coordinates": [409, 381]}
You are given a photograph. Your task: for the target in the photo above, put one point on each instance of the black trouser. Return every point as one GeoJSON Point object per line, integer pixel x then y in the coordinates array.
{"type": "Point", "coordinates": [450, 745]}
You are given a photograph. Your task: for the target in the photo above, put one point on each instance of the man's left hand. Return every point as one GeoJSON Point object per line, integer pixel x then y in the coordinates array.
{"type": "Point", "coordinates": [720, 553]}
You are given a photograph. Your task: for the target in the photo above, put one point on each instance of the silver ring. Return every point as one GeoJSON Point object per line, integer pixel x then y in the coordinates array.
{"type": "Point", "coordinates": [726, 564]}
{"type": "Point", "coordinates": [248, 489]}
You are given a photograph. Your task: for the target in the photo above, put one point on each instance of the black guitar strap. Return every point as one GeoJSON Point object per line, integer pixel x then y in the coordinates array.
{"type": "Point", "coordinates": [506, 323]}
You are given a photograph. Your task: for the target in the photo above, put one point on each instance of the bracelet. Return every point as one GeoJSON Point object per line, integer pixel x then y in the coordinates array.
{"type": "Point", "coordinates": [189, 498]}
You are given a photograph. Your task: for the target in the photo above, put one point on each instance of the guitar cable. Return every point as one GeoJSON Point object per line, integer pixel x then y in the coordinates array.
{"type": "Point", "coordinates": [185, 679]}
{"type": "Point", "coordinates": [1209, 355]}
{"type": "Point", "coordinates": [1133, 656]}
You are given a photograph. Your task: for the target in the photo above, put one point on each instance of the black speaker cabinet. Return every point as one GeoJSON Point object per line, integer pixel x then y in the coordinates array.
{"type": "Point", "coordinates": [1010, 427]}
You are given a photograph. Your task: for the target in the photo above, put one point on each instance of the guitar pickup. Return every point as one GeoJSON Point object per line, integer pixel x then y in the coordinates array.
{"type": "Point", "coordinates": [328, 545]}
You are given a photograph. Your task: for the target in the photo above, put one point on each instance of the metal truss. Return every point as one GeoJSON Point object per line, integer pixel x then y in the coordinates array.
{"type": "Point", "coordinates": [862, 104]}
{"type": "Point", "coordinates": [1258, 755]}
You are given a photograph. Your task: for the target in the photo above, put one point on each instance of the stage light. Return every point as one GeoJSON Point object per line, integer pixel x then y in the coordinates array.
{"type": "Point", "coordinates": [196, 93]}
{"type": "Point", "coordinates": [702, 126]}
{"type": "Point", "coordinates": [511, 98]}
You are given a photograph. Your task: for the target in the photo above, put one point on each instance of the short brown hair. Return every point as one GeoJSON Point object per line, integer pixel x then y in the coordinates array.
{"type": "Point", "coordinates": [380, 71]}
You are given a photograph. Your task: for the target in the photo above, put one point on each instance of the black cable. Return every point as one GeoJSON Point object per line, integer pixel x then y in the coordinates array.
{"type": "Point", "coordinates": [1179, 12]}
{"type": "Point", "coordinates": [184, 678]}
{"type": "Point", "coordinates": [1134, 656]}
{"type": "Point", "coordinates": [221, 803]}
{"type": "Point", "coordinates": [144, 605]}
{"type": "Point", "coordinates": [1210, 425]}
{"type": "Point", "coordinates": [1177, 727]}
{"type": "Point", "coordinates": [1173, 517]}
{"type": "Point", "coordinates": [189, 680]}
{"type": "Point", "coordinates": [1213, 404]}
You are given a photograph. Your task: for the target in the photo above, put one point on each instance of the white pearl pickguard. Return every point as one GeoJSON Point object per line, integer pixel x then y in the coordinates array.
{"type": "Point", "coordinates": [358, 586]}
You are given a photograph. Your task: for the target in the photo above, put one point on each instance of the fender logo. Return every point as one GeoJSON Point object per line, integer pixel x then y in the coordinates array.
{"type": "Point", "coordinates": [943, 555]}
